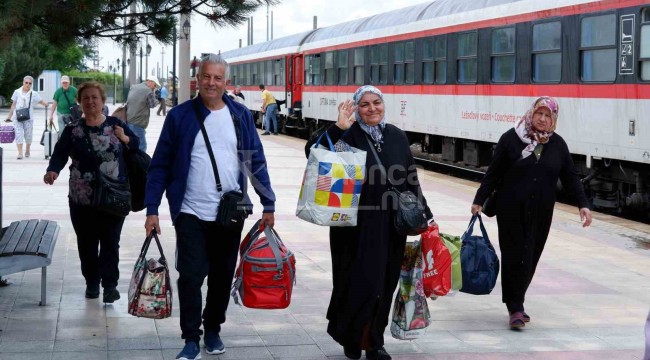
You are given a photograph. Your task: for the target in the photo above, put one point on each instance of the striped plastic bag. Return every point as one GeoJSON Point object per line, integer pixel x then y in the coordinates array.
{"type": "Point", "coordinates": [331, 186]}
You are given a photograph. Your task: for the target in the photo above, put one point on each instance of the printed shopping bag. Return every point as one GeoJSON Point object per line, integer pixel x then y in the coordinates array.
{"type": "Point", "coordinates": [331, 186]}
{"type": "Point", "coordinates": [436, 260]}
{"type": "Point", "coordinates": [150, 291]}
{"type": "Point", "coordinates": [410, 312]}
{"type": "Point", "coordinates": [453, 244]}
{"type": "Point", "coordinates": [479, 261]}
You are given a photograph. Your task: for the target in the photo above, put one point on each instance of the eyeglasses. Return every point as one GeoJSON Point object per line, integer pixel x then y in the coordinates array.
{"type": "Point", "coordinates": [27, 83]}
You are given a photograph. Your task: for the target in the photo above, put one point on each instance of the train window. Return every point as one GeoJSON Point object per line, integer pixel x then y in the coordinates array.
{"type": "Point", "coordinates": [409, 59]}
{"type": "Point", "coordinates": [312, 70]}
{"type": "Point", "coordinates": [342, 66]}
{"type": "Point", "coordinates": [359, 63]}
{"type": "Point", "coordinates": [267, 74]}
{"type": "Point", "coordinates": [547, 52]}
{"type": "Point", "coordinates": [598, 52]}
{"type": "Point", "coordinates": [247, 71]}
{"type": "Point", "coordinates": [278, 72]}
{"type": "Point", "coordinates": [398, 67]}
{"type": "Point", "coordinates": [379, 64]}
{"type": "Point", "coordinates": [255, 74]}
{"type": "Point", "coordinates": [427, 61]}
{"type": "Point", "coordinates": [503, 55]}
{"type": "Point", "coordinates": [467, 53]}
{"type": "Point", "coordinates": [644, 53]}
{"type": "Point", "coordinates": [441, 60]}
{"type": "Point", "coordinates": [330, 73]}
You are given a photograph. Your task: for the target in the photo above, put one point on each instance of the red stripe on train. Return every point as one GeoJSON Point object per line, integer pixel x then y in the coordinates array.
{"type": "Point", "coordinates": [600, 91]}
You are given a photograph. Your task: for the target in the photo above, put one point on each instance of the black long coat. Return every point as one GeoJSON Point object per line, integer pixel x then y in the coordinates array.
{"type": "Point", "coordinates": [366, 259]}
{"type": "Point", "coordinates": [524, 205]}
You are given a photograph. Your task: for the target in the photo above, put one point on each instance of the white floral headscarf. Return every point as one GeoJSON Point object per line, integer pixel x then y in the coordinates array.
{"type": "Point", "coordinates": [375, 130]}
{"type": "Point", "coordinates": [527, 133]}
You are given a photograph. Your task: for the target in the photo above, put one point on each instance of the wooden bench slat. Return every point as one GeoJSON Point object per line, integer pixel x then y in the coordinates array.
{"type": "Point", "coordinates": [15, 237]}
{"type": "Point", "coordinates": [35, 241]}
{"type": "Point", "coordinates": [7, 235]}
{"type": "Point", "coordinates": [26, 237]}
{"type": "Point", "coordinates": [49, 239]}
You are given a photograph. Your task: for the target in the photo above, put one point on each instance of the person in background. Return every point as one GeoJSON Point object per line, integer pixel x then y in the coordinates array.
{"type": "Point", "coordinates": [140, 100]}
{"type": "Point", "coordinates": [239, 94]}
{"type": "Point", "coordinates": [95, 143]}
{"type": "Point", "coordinates": [269, 108]}
{"type": "Point", "coordinates": [528, 160]}
{"type": "Point", "coordinates": [367, 258]}
{"type": "Point", "coordinates": [163, 98]}
{"type": "Point", "coordinates": [181, 167]}
{"type": "Point", "coordinates": [24, 98]}
{"type": "Point", "coordinates": [63, 98]}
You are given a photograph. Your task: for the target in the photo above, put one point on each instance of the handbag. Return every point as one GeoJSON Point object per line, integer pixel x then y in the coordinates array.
{"type": "Point", "coordinates": [233, 208]}
{"type": "Point", "coordinates": [23, 114]}
{"type": "Point", "coordinates": [7, 134]}
{"type": "Point", "coordinates": [137, 167]}
{"type": "Point", "coordinates": [489, 206]}
{"type": "Point", "coordinates": [480, 263]}
{"type": "Point", "coordinates": [331, 186]}
{"type": "Point", "coordinates": [410, 214]}
{"type": "Point", "coordinates": [75, 110]}
{"type": "Point", "coordinates": [436, 261]}
{"type": "Point", "coordinates": [150, 289]}
{"type": "Point", "coordinates": [120, 113]}
{"type": "Point", "coordinates": [112, 196]}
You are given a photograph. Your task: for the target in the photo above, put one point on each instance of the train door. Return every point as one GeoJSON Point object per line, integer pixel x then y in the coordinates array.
{"type": "Point", "coordinates": [296, 82]}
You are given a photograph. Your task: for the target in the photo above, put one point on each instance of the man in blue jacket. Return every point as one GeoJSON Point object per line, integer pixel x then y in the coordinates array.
{"type": "Point", "coordinates": [182, 168]}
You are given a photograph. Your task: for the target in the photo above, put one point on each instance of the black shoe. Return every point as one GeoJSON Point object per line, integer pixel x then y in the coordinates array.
{"type": "Point", "coordinates": [110, 295]}
{"type": "Point", "coordinates": [266, 133]}
{"type": "Point", "coordinates": [92, 291]}
{"type": "Point", "coordinates": [275, 133]}
{"type": "Point", "coordinates": [379, 354]}
{"type": "Point", "coordinates": [352, 352]}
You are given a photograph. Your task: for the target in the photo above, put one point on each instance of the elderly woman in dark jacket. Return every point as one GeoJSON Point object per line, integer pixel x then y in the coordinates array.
{"type": "Point", "coordinates": [366, 259]}
{"type": "Point", "coordinates": [96, 143]}
{"type": "Point", "coordinates": [528, 160]}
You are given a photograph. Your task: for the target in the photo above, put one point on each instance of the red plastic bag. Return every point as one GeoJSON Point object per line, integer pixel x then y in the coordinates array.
{"type": "Point", "coordinates": [436, 277]}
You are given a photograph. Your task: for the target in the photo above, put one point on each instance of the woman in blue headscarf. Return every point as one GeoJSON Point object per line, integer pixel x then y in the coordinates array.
{"type": "Point", "coordinates": [366, 259]}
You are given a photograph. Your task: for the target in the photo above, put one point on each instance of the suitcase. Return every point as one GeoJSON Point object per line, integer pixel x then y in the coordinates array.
{"type": "Point", "coordinates": [7, 134]}
{"type": "Point", "coordinates": [49, 138]}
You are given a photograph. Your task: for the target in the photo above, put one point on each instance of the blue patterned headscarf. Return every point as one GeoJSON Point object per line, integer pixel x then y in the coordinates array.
{"type": "Point", "coordinates": [373, 131]}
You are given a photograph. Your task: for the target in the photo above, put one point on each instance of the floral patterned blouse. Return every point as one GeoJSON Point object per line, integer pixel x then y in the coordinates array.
{"type": "Point", "coordinates": [91, 148]}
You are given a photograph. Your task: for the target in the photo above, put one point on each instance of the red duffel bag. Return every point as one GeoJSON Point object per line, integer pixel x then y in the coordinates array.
{"type": "Point", "coordinates": [266, 272]}
{"type": "Point", "coordinates": [436, 277]}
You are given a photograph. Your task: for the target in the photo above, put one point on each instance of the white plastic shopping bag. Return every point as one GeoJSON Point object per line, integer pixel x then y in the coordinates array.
{"type": "Point", "coordinates": [331, 186]}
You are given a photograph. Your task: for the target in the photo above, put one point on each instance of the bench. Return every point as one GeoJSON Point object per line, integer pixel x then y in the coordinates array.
{"type": "Point", "coordinates": [27, 245]}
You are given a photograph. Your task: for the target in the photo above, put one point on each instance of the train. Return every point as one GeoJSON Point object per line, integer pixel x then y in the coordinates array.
{"type": "Point", "coordinates": [456, 74]}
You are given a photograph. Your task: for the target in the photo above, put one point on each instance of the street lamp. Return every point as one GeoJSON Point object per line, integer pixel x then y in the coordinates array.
{"type": "Point", "coordinates": [186, 28]}
{"type": "Point", "coordinates": [123, 70]}
{"type": "Point", "coordinates": [146, 64]}
{"type": "Point", "coordinates": [140, 63]}
{"type": "Point", "coordinates": [113, 68]}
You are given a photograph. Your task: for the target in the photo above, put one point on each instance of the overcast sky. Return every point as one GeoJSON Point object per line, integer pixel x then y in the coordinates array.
{"type": "Point", "coordinates": [289, 17]}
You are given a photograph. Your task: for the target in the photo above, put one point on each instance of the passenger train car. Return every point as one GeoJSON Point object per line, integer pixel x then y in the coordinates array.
{"type": "Point", "coordinates": [456, 74]}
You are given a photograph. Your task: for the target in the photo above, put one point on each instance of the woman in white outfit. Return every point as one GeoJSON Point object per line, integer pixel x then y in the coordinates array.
{"type": "Point", "coordinates": [22, 98]}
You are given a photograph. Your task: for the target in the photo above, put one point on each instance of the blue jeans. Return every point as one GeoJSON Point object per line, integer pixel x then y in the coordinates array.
{"type": "Point", "coordinates": [141, 135]}
{"type": "Point", "coordinates": [271, 114]}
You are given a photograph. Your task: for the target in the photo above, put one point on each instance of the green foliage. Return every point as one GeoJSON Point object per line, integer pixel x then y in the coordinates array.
{"type": "Point", "coordinates": [64, 22]}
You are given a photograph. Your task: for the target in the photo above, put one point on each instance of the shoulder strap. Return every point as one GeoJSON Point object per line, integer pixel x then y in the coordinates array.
{"type": "Point", "coordinates": [381, 165]}
{"type": "Point", "coordinates": [66, 97]}
{"type": "Point", "coordinates": [201, 120]}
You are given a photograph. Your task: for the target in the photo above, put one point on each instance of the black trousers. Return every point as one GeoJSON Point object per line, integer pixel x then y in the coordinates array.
{"type": "Point", "coordinates": [204, 248]}
{"type": "Point", "coordinates": [98, 241]}
{"type": "Point", "coordinates": [162, 107]}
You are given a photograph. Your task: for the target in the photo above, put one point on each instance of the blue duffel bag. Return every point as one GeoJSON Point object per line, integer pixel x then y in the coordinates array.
{"type": "Point", "coordinates": [479, 261]}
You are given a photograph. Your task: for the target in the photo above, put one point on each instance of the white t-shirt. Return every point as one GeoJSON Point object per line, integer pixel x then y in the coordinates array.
{"type": "Point", "coordinates": [21, 100]}
{"type": "Point", "coordinates": [201, 195]}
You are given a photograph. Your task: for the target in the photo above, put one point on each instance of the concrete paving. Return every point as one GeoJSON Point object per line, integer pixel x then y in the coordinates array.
{"type": "Point", "coordinates": [589, 299]}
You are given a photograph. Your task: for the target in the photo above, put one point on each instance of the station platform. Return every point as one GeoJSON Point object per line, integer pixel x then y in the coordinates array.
{"type": "Point", "coordinates": [589, 299]}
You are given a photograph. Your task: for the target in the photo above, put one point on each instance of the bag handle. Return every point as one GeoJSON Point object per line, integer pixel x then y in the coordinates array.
{"type": "Point", "coordinates": [329, 140]}
{"type": "Point", "coordinates": [470, 227]}
{"type": "Point", "coordinates": [147, 242]}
